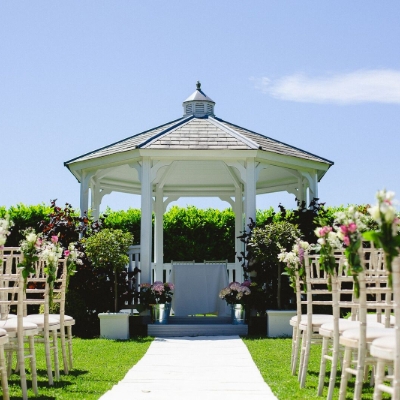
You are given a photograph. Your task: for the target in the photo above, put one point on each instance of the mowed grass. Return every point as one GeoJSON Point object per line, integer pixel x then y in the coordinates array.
{"type": "Point", "coordinates": [272, 357]}
{"type": "Point", "coordinates": [98, 365]}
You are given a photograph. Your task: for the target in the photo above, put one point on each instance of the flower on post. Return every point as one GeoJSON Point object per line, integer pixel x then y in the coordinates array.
{"type": "Point", "coordinates": [294, 261]}
{"type": "Point", "coordinates": [73, 257]}
{"type": "Point", "coordinates": [5, 225]}
{"type": "Point", "coordinates": [350, 223]}
{"type": "Point", "coordinates": [328, 241]}
{"type": "Point", "coordinates": [387, 237]}
{"type": "Point", "coordinates": [30, 248]}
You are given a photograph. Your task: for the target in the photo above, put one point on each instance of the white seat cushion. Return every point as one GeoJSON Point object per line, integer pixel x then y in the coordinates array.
{"type": "Point", "coordinates": [10, 325]}
{"type": "Point", "coordinates": [67, 318]}
{"type": "Point", "coordinates": [350, 337]}
{"type": "Point", "coordinates": [38, 319]}
{"type": "Point", "coordinates": [3, 332]}
{"type": "Point", "coordinates": [384, 347]}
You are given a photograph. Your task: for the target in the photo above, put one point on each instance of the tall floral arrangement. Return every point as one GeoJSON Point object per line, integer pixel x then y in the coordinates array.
{"type": "Point", "coordinates": [236, 293]}
{"type": "Point", "coordinates": [294, 261]}
{"type": "Point", "coordinates": [349, 225]}
{"type": "Point", "coordinates": [387, 236]}
{"type": "Point", "coordinates": [157, 293]}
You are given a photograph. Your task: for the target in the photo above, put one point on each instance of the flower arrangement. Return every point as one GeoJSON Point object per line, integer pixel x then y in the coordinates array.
{"type": "Point", "coordinates": [387, 237]}
{"type": "Point", "coordinates": [236, 293]}
{"type": "Point", "coordinates": [349, 225]}
{"type": "Point", "coordinates": [74, 258]}
{"type": "Point", "coordinates": [157, 293]}
{"type": "Point", "coordinates": [294, 261]}
{"type": "Point", "coordinates": [328, 242]}
{"type": "Point", "coordinates": [50, 253]}
{"type": "Point", "coordinates": [30, 248]}
{"type": "Point", "coordinates": [5, 225]}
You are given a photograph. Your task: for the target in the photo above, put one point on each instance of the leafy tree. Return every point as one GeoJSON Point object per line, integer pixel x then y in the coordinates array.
{"type": "Point", "coordinates": [108, 250]}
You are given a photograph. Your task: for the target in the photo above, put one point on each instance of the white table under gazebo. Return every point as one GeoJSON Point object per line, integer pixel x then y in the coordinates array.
{"type": "Point", "coordinates": [195, 155]}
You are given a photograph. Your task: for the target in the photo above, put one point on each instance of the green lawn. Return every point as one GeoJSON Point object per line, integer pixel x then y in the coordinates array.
{"type": "Point", "coordinates": [272, 357]}
{"type": "Point", "coordinates": [98, 365]}
{"type": "Point", "coordinates": [101, 363]}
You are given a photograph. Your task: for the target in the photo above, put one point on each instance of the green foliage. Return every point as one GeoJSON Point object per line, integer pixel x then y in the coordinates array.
{"type": "Point", "coordinates": [108, 250]}
{"type": "Point", "coordinates": [127, 221]}
{"type": "Point", "coordinates": [24, 217]}
{"type": "Point", "coordinates": [265, 269]}
{"type": "Point", "coordinates": [191, 233]}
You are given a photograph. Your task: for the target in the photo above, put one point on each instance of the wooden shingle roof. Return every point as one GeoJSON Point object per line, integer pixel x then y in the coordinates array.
{"type": "Point", "coordinates": [205, 133]}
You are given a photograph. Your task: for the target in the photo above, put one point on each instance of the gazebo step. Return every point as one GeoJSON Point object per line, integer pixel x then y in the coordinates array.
{"type": "Point", "coordinates": [196, 330]}
{"type": "Point", "coordinates": [198, 320]}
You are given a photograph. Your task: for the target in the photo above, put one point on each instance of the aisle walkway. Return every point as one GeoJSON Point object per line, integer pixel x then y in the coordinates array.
{"type": "Point", "coordinates": [193, 368]}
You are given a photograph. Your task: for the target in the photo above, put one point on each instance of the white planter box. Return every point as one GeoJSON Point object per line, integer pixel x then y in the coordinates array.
{"type": "Point", "coordinates": [114, 326]}
{"type": "Point", "coordinates": [278, 322]}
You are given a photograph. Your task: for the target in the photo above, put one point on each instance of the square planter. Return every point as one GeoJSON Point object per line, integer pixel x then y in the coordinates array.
{"type": "Point", "coordinates": [114, 326]}
{"type": "Point", "coordinates": [278, 322]}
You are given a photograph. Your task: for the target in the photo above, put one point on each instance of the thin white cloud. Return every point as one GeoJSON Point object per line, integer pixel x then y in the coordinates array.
{"type": "Point", "coordinates": [379, 86]}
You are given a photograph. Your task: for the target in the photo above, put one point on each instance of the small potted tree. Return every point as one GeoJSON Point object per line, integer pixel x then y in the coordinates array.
{"type": "Point", "coordinates": [108, 249]}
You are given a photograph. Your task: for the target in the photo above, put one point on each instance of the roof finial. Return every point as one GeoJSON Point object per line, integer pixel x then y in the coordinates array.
{"type": "Point", "coordinates": [198, 85]}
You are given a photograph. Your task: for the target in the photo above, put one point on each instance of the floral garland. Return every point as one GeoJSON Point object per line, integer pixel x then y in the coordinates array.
{"type": "Point", "coordinates": [387, 237]}
{"type": "Point", "coordinates": [349, 224]}
{"type": "Point", "coordinates": [294, 261]}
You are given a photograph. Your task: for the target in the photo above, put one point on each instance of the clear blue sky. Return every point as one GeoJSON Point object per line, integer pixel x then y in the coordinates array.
{"type": "Point", "coordinates": [79, 75]}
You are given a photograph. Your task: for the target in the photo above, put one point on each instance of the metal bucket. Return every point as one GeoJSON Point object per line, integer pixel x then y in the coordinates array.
{"type": "Point", "coordinates": [238, 314]}
{"type": "Point", "coordinates": [160, 313]}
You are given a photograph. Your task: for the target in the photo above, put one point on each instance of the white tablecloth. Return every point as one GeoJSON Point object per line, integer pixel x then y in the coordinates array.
{"type": "Point", "coordinates": [197, 288]}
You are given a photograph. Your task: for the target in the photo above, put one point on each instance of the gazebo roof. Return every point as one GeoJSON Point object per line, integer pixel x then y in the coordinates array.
{"type": "Point", "coordinates": [199, 154]}
{"type": "Point", "coordinates": [200, 133]}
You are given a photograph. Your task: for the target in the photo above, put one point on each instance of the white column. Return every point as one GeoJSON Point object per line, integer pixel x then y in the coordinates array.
{"type": "Point", "coordinates": [95, 200]}
{"type": "Point", "coordinates": [84, 195]}
{"type": "Point", "coordinates": [239, 226]}
{"type": "Point", "coordinates": [250, 192]}
{"type": "Point", "coordinates": [158, 236]}
{"type": "Point", "coordinates": [145, 225]}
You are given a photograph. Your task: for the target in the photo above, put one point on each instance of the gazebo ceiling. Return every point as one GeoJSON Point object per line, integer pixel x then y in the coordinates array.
{"type": "Point", "coordinates": [200, 155]}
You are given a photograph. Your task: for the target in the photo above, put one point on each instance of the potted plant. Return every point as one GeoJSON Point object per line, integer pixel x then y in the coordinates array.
{"type": "Point", "coordinates": [107, 249]}
{"type": "Point", "coordinates": [158, 297]}
{"type": "Point", "coordinates": [237, 295]}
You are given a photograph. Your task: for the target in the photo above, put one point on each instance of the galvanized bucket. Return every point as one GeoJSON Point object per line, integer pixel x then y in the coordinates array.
{"type": "Point", "coordinates": [160, 313]}
{"type": "Point", "coordinates": [238, 314]}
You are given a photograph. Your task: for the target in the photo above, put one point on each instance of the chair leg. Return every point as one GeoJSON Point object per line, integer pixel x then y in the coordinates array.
{"type": "Point", "coordinates": [379, 377]}
{"type": "Point", "coordinates": [48, 358]}
{"type": "Point", "coordinates": [306, 357]}
{"type": "Point", "coordinates": [302, 350]}
{"type": "Point", "coordinates": [322, 367]}
{"type": "Point", "coordinates": [55, 354]}
{"type": "Point", "coordinates": [64, 350]}
{"type": "Point", "coordinates": [334, 367]}
{"type": "Point", "coordinates": [359, 375]}
{"type": "Point", "coordinates": [69, 336]}
{"type": "Point", "coordinates": [32, 355]}
{"type": "Point", "coordinates": [345, 375]}
{"type": "Point", "coordinates": [4, 378]}
{"type": "Point", "coordinates": [296, 340]}
{"type": "Point", "coordinates": [21, 364]}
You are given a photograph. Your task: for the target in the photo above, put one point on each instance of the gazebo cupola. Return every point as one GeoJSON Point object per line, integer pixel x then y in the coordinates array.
{"type": "Point", "coordinates": [198, 104]}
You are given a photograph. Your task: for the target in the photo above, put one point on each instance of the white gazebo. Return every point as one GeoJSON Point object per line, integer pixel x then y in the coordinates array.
{"type": "Point", "coordinates": [195, 155]}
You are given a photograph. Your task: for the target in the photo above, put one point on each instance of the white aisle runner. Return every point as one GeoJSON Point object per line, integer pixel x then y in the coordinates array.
{"type": "Point", "coordinates": [192, 368]}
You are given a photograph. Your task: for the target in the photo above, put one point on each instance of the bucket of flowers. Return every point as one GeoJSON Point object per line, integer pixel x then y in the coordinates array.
{"type": "Point", "coordinates": [237, 295]}
{"type": "Point", "coordinates": [158, 297]}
